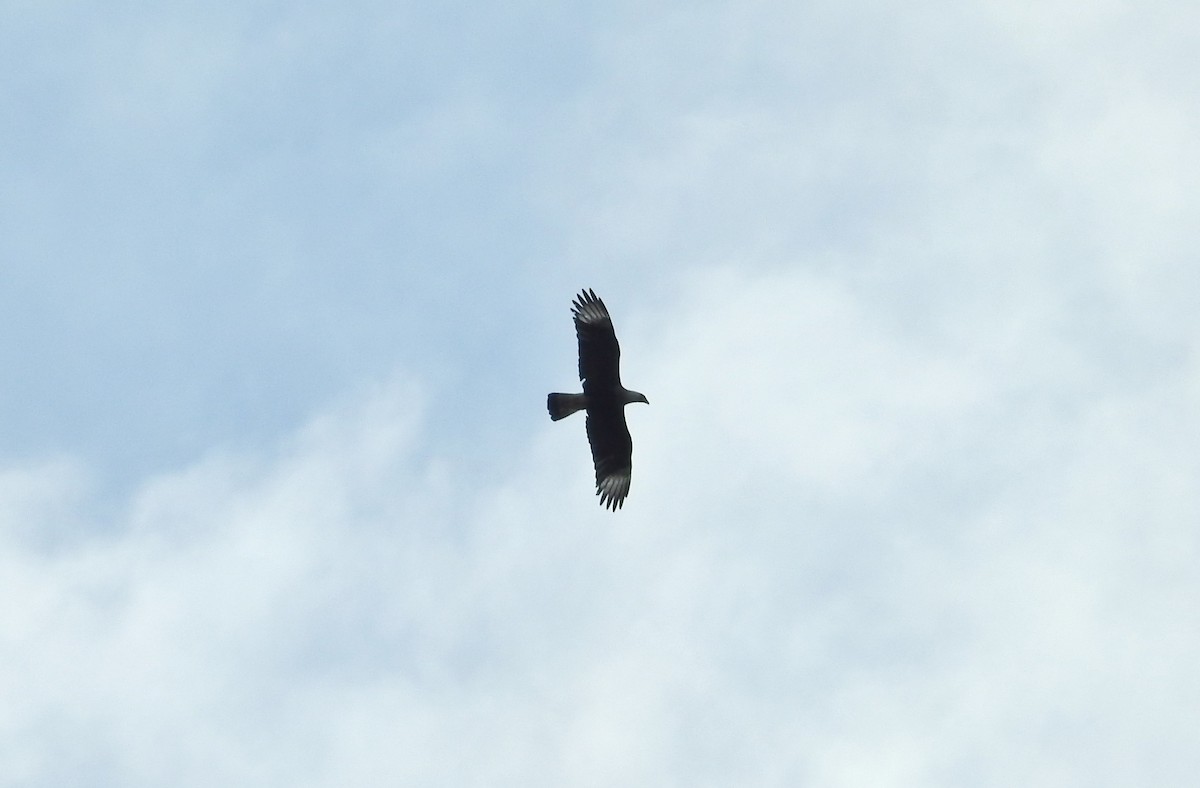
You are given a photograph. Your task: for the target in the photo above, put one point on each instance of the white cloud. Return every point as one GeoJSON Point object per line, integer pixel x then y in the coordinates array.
{"type": "Point", "coordinates": [914, 503]}
{"type": "Point", "coordinates": [847, 559]}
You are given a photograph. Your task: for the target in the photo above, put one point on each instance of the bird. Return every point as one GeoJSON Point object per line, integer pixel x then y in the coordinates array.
{"type": "Point", "coordinates": [603, 397]}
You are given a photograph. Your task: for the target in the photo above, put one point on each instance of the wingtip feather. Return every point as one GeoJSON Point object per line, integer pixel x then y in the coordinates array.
{"type": "Point", "coordinates": [613, 490]}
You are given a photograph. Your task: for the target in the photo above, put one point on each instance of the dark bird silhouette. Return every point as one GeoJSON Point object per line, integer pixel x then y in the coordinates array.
{"type": "Point", "coordinates": [603, 397]}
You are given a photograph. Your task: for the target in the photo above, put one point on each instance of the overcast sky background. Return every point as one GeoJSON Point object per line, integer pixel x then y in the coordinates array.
{"type": "Point", "coordinates": [911, 287]}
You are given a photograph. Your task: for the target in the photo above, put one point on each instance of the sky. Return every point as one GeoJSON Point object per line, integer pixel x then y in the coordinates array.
{"type": "Point", "coordinates": [911, 288]}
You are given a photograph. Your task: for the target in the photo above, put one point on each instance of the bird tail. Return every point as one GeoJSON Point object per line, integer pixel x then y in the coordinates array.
{"type": "Point", "coordinates": [563, 405]}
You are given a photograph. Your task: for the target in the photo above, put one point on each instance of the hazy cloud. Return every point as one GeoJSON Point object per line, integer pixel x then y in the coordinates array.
{"type": "Point", "coordinates": [910, 290]}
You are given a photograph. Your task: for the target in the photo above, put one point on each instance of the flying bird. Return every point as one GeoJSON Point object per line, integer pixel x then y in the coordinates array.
{"type": "Point", "coordinates": [603, 397]}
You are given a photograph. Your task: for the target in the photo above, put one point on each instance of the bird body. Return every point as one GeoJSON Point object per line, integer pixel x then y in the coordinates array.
{"type": "Point", "coordinates": [603, 397]}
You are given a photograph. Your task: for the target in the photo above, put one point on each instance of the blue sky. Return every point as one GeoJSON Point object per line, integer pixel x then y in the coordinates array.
{"type": "Point", "coordinates": [911, 288]}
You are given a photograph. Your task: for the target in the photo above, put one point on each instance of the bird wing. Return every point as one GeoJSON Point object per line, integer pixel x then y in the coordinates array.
{"type": "Point", "coordinates": [612, 453]}
{"type": "Point", "coordinates": [599, 353]}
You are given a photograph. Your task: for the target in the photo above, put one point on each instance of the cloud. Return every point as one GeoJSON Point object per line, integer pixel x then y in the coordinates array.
{"type": "Point", "coordinates": [848, 558]}
{"type": "Point", "coordinates": [914, 503]}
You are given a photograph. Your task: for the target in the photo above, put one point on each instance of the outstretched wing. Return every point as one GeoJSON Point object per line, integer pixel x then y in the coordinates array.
{"type": "Point", "coordinates": [599, 353]}
{"type": "Point", "coordinates": [612, 453]}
